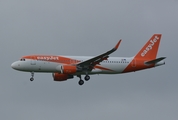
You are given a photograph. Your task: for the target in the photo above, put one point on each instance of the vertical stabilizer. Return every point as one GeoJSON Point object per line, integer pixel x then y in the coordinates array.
{"type": "Point", "coordinates": [150, 49]}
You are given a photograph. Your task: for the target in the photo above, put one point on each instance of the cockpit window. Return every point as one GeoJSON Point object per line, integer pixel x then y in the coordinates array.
{"type": "Point", "coordinates": [22, 59]}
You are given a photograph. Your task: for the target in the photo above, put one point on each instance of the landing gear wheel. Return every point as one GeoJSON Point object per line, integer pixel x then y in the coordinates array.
{"type": "Point", "coordinates": [32, 74]}
{"type": "Point", "coordinates": [80, 82]}
{"type": "Point", "coordinates": [87, 77]}
{"type": "Point", "coordinates": [31, 79]}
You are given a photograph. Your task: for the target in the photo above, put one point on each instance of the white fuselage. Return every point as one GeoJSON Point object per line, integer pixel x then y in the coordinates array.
{"type": "Point", "coordinates": [113, 65]}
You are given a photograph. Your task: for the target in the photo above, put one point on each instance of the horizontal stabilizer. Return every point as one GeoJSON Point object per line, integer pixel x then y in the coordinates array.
{"type": "Point", "coordinates": [155, 60]}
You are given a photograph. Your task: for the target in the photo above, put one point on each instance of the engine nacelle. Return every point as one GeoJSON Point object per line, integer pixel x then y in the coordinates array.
{"type": "Point", "coordinates": [61, 77]}
{"type": "Point", "coordinates": [68, 69]}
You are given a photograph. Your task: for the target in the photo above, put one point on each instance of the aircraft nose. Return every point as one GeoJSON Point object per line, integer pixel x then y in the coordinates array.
{"type": "Point", "coordinates": [15, 65]}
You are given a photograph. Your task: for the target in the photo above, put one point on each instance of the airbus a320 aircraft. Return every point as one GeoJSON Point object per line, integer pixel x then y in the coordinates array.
{"type": "Point", "coordinates": [66, 67]}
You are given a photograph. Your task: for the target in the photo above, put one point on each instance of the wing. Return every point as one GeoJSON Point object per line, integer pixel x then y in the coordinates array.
{"type": "Point", "coordinates": [90, 63]}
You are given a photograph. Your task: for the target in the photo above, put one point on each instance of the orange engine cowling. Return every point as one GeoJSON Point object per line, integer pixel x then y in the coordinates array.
{"type": "Point", "coordinates": [61, 77]}
{"type": "Point", "coordinates": [68, 69]}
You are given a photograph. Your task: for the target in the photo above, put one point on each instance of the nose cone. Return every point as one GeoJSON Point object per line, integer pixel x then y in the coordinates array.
{"type": "Point", "coordinates": [15, 65]}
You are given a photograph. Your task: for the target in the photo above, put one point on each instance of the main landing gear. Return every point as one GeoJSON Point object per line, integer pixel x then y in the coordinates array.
{"type": "Point", "coordinates": [81, 82]}
{"type": "Point", "coordinates": [87, 77]}
{"type": "Point", "coordinates": [32, 78]}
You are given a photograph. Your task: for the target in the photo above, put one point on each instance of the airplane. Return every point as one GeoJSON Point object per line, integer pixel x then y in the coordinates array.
{"type": "Point", "coordinates": [66, 67]}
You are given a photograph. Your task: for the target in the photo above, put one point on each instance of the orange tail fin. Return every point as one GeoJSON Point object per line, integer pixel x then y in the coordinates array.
{"type": "Point", "coordinates": [150, 49]}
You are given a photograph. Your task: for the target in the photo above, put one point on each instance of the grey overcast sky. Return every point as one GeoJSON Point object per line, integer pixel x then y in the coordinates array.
{"type": "Point", "coordinates": [88, 27]}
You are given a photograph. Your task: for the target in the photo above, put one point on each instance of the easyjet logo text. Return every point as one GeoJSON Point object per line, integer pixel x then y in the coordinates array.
{"type": "Point", "coordinates": [47, 58]}
{"type": "Point", "coordinates": [150, 46]}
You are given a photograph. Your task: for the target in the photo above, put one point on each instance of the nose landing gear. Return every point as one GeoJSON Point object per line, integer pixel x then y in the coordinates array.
{"type": "Point", "coordinates": [32, 78]}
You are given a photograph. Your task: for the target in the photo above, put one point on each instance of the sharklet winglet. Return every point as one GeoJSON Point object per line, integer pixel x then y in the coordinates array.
{"type": "Point", "coordinates": [117, 45]}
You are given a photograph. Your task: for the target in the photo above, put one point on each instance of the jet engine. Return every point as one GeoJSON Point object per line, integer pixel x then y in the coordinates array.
{"type": "Point", "coordinates": [61, 77]}
{"type": "Point", "coordinates": [68, 69]}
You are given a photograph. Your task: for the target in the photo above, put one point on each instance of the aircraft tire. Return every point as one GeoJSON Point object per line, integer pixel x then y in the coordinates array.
{"type": "Point", "coordinates": [87, 77]}
{"type": "Point", "coordinates": [81, 82]}
{"type": "Point", "coordinates": [31, 79]}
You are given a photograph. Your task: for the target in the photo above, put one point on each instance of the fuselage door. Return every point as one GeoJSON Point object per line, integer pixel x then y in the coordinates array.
{"type": "Point", "coordinates": [33, 61]}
